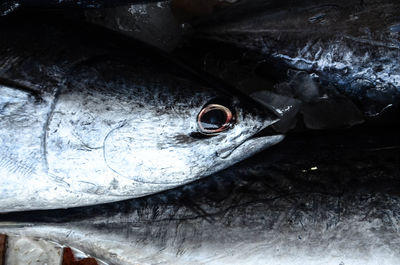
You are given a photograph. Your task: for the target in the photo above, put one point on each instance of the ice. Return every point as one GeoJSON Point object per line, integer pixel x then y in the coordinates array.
{"type": "Point", "coordinates": [152, 23]}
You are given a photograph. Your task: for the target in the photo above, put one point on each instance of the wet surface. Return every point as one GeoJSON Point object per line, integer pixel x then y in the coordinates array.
{"type": "Point", "coordinates": [314, 103]}
{"type": "Point", "coordinates": [344, 47]}
{"type": "Point", "coordinates": [332, 165]}
{"type": "Point", "coordinates": [330, 190]}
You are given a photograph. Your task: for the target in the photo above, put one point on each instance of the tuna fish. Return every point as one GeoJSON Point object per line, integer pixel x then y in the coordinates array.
{"type": "Point", "coordinates": [88, 118]}
{"type": "Point", "coordinates": [313, 199]}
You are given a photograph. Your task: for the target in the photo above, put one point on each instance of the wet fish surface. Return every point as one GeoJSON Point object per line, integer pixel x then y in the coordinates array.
{"type": "Point", "coordinates": [319, 49]}
{"type": "Point", "coordinates": [319, 198]}
{"type": "Point", "coordinates": [87, 119]}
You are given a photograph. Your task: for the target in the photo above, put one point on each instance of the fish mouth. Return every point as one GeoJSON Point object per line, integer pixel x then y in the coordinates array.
{"type": "Point", "coordinates": [251, 146]}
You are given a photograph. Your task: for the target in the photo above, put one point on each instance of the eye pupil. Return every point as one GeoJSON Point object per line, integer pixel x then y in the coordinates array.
{"type": "Point", "coordinates": [214, 118]}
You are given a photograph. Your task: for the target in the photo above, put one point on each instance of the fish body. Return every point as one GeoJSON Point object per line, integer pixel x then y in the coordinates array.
{"type": "Point", "coordinates": [347, 47]}
{"type": "Point", "coordinates": [330, 202]}
{"type": "Point", "coordinates": [85, 121]}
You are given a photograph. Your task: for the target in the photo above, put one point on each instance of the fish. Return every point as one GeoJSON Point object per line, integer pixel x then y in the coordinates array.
{"type": "Point", "coordinates": [334, 201]}
{"type": "Point", "coordinates": [319, 50]}
{"type": "Point", "coordinates": [88, 116]}
{"type": "Point", "coordinates": [9, 6]}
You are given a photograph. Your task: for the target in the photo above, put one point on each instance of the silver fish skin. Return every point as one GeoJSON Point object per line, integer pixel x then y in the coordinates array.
{"type": "Point", "coordinates": [274, 208]}
{"type": "Point", "coordinates": [352, 46]}
{"type": "Point", "coordinates": [80, 125]}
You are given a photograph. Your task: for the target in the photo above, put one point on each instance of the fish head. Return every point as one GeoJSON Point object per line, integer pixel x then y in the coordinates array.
{"type": "Point", "coordinates": [123, 132]}
{"type": "Point", "coordinates": [196, 131]}
{"type": "Point", "coordinates": [227, 131]}
{"type": "Point", "coordinates": [105, 122]}
{"type": "Point", "coordinates": [135, 134]}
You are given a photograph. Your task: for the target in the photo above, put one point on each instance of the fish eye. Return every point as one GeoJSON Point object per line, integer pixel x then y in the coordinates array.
{"type": "Point", "coordinates": [214, 118]}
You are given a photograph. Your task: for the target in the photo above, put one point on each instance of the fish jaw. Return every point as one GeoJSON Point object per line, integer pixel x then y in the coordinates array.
{"type": "Point", "coordinates": [249, 141]}
{"type": "Point", "coordinates": [251, 147]}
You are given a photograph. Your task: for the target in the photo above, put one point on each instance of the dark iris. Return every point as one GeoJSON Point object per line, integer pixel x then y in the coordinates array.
{"type": "Point", "coordinates": [213, 119]}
